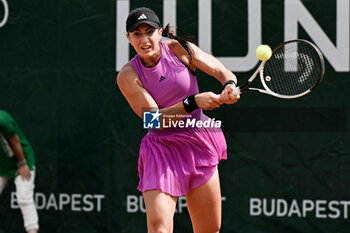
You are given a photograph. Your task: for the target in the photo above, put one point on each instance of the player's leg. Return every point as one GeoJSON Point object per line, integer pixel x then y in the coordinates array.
{"type": "Point", "coordinates": [3, 182]}
{"type": "Point", "coordinates": [204, 206]}
{"type": "Point", "coordinates": [25, 199]}
{"type": "Point", "coordinates": [160, 209]}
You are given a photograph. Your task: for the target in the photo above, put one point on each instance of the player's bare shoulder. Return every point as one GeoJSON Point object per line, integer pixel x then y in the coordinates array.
{"type": "Point", "coordinates": [180, 52]}
{"type": "Point", "coordinates": [172, 44]}
{"type": "Point", "coordinates": [176, 48]}
{"type": "Point", "coordinates": [126, 72]}
{"type": "Point", "coordinates": [127, 76]}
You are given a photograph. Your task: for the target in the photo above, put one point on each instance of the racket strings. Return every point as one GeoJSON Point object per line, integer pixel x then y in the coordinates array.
{"type": "Point", "coordinates": [293, 69]}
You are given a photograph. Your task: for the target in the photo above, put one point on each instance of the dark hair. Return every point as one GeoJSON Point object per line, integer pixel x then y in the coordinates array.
{"type": "Point", "coordinates": [169, 32]}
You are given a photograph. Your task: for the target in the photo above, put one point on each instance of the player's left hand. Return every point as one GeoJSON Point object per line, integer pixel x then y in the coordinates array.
{"type": "Point", "coordinates": [24, 172]}
{"type": "Point", "coordinates": [227, 96]}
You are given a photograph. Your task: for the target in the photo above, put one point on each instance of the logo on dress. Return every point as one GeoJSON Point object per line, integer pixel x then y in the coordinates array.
{"type": "Point", "coordinates": [151, 120]}
{"type": "Point", "coordinates": [162, 78]}
{"type": "Point", "coordinates": [143, 16]}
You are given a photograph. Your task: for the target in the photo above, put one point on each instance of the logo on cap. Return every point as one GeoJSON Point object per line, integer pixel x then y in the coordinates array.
{"type": "Point", "coordinates": [143, 16]}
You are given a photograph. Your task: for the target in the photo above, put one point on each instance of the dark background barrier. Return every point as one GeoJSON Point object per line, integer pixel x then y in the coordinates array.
{"type": "Point", "coordinates": [286, 172]}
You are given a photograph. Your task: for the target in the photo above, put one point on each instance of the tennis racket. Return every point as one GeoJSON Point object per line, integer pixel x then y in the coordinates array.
{"type": "Point", "coordinates": [295, 69]}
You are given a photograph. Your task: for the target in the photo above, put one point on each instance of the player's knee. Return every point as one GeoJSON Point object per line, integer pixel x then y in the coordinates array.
{"type": "Point", "coordinates": [160, 230]}
{"type": "Point", "coordinates": [157, 227]}
{"type": "Point", "coordinates": [24, 197]}
{"type": "Point", "coordinates": [213, 227]}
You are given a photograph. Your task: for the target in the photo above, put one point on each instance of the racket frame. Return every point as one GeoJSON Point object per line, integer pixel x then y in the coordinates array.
{"type": "Point", "coordinates": [244, 88]}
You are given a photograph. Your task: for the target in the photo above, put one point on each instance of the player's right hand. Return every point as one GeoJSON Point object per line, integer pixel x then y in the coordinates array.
{"type": "Point", "coordinates": [208, 101]}
{"type": "Point", "coordinates": [228, 95]}
{"type": "Point", "coordinates": [24, 172]}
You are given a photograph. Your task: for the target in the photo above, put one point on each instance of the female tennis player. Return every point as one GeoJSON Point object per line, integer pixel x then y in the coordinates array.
{"type": "Point", "coordinates": [175, 162]}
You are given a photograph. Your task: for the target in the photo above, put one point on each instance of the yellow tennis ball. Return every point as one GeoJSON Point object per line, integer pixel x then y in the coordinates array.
{"type": "Point", "coordinates": [263, 52]}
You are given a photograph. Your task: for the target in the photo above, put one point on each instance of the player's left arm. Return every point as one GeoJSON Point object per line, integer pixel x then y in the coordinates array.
{"type": "Point", "coordinates": [208, 64]}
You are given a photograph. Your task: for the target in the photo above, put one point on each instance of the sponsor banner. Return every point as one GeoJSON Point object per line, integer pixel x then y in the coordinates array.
{"type": "Point", "coordinates": [75, 202]}
{"type": "Point", "coordinates": [135, 204]}
{"type": "Point", "coordinates": [322, 209]}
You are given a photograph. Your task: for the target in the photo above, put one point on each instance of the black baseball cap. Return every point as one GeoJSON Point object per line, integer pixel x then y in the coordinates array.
{"type": "Point", "coordinates": [139, 16]}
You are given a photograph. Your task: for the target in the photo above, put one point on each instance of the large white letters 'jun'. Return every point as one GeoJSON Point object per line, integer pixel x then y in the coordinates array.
{"type": "Point", "coordinates": [338, 56]}
{"type": "Point", "coordinates": [295, 13]}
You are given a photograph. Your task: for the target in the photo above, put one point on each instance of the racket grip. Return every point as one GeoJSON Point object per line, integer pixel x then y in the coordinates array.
{"type": "Point", "coordinates": [236, 91]}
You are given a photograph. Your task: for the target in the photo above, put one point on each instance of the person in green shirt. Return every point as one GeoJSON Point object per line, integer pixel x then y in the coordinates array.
{"type": "Point", "coordinates": [17, 160]}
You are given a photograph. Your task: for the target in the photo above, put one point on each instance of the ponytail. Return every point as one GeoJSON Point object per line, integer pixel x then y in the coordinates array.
{"type": "Point", "coordinates": [169, 33]}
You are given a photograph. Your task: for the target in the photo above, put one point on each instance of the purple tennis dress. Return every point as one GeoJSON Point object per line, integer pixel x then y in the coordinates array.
{"type": "Point", "coordinates": [173, 161]}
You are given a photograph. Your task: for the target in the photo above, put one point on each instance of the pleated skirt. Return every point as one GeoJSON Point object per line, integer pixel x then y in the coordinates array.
{"type": "Point", "coordinates": [177, 162]}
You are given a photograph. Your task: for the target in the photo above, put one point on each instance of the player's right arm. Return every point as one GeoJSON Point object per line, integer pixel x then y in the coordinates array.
{"type": "Point", "coordinates": [8, 130]}
{"type": "Point", "coordinates": [23, 169]}
{"type": "Point", "coordinates": [130, 85]}
{"type": "Point", "coordinates": [140, 100]}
